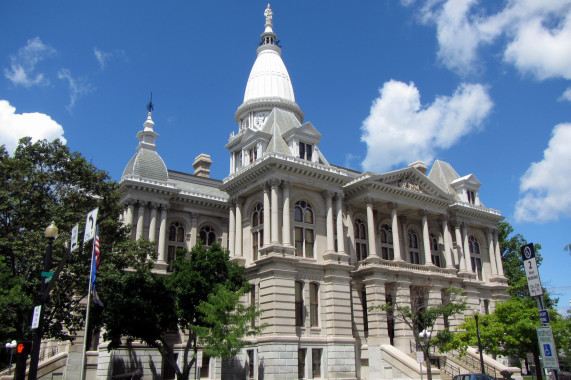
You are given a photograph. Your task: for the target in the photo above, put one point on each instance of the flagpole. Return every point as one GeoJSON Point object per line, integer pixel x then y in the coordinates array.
{"type": "Point", "coordinates": [84, 352]}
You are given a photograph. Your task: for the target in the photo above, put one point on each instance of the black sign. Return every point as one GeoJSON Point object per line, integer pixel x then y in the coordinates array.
{"type": "Point", "coordinates": [527, 251]}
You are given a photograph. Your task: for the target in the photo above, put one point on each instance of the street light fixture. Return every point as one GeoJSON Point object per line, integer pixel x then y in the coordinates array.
{"type": "Point", "coordinates": [50, 233]}
{"type": "Point", "coordinates": [10, 346]}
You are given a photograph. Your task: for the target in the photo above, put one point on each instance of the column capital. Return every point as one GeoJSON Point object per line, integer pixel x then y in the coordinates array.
{"type": "Point", "coordinates": [237, 201]}
{"type": "Point", "coordinates": [153, 205]}
{"type": "Point", "coordinates": [456, 222]}
{"type": "Point", "coordinates": [443, 218]}
{"type": "Point", "coordinates": [369, 200]}
{"type": "Point", "coordinates": [423, 213]}
{"type": "Point", "coordinates": [393, 206]}
{"type": "Point", "coordinates": [286, 185]}
{"type": "Point", "coordinates": [164, 208]}
{"type": "Point", "coordinates": [339, 196]}
{"type": "Point", "coordinates": [328, 194]}
{"type": "Point", "coordinates": [274, 182]}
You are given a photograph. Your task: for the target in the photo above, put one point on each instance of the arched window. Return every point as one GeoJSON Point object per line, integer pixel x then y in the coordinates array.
{"type": "Point", "coordinates": [413, 247]}
{"type": "Point", "coordinates": [435, 250]}
{"type": "Point", "coordinates": [360, 239]}
{"type": "Point", "coordinates": [257, 230]}
{"type": "Point", "coordinates": [475, 256]}
{"type": "Point", "coordinates": [387, 251]}
{"type": "Point", "coordinates": [176, 240]}
{"type": "Point", "coordinates": [207, 235]}
{"type": "Point", "coordinates": [303, 230]}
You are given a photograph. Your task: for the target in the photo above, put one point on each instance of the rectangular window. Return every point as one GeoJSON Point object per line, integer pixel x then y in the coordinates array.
{"type": "Point", "coordinates": [301, 363]}
{"type": "Point", "coordinates": [298, 232]}
{"type": "Point", "coordinates": [298, 304]}
{"type": "Point", "coordinates": [255, 236]}
{"type": "Point", "coordinates": [250, 364]}
{"type": "Point", "coordinates": [305, 151]}
{"type": "Point", "coordinates": [477, 266]}
{"type": "Point", "coordinates": [314, 304]}
{"type": "Point", "coordinates": [205, 367]}
{"type": "Point", "coordinates": [436, 260]}
{"type": "Point", "coordinates": [308, 242]}
{"type": "Point", "coordinates": [316, 363]}
{"type": "Point", "coordinates": [414, 257]}
{"type": "Point", "coordinates": [471, 197]}
{"type": "Point", "coordinates": [171, 256]}
{"type": "Point", "coordinates": [365, 313]}
{"type": "Point", "coordinates": [253, 303]}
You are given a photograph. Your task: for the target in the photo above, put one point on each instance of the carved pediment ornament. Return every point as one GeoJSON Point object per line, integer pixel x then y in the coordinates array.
{"type": "Point", "coordinates": [407, 182]}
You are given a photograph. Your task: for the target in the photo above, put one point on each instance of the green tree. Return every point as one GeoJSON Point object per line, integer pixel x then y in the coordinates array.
{"type": "Point", "coordinates": [201, 296]}
{"type": "Point", "coordinates": [421, 319]}
{"type": "Point", "coordinates": [40, 183]}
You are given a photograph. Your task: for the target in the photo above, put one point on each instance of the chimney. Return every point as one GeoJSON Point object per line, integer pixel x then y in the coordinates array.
{"type": "Point", "coordinates": [201, 165]}
{"type": "Point", "coordinates": [420, 166]}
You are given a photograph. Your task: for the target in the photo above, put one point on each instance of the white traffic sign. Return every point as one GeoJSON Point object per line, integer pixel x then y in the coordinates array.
{"type": "Point", "coordinates": [74, 245]}
{"type": "Point", "coordinates": [90, 223]}
{"type": "Point", "coordinates": [199, 359]}
{"type": "Point", "coordinates": [531, 271]}
{"type": "Point", "coordinates": [547, 347]}
{"type": "Point", "coordinates": [419, 357]}
{"type": "Point", "coordinates": [36, 317]}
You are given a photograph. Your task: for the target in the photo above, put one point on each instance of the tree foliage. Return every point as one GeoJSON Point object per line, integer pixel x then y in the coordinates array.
{"type": "Point", "coordinates": [201, 296]}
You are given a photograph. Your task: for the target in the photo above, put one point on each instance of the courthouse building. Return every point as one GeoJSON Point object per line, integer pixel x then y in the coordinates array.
{"type": "Point", "coordinates": [319, 242]}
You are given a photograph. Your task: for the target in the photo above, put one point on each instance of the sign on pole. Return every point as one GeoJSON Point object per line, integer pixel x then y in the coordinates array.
{"type": "Point", "coordinates": [419, 357]}
{"type": "Point", "coordinates": [531, 271]}
{"type": "Point", "coordinates": [199, 359]}
{"type": "Point", "coordinates": [36, 317]}
{"type": "Point", "coordinates": [74, 245]}
{"type": "Point", "coordinates": [547, 347]}
{"type": "Point", "coordinates": [544, 316]}
{"type": "Point", "coordinates": [90, 223]}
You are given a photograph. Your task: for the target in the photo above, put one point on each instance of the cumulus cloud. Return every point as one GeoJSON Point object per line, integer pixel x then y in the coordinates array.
{"type": "Point", "coordinates": [77, 87]}
{"type": "Point", "coordinates": [400, 130]}
{"type": "Point", "coordinates": [22, 71]}
{"type": "Point", "coordinates": [36, 125]}
{"type": "Point", "coordinates": [537, 34]}
{"type": "Point", "coordinates": [545, 188]}
{"type": "Point", "coordinates": [566, 95]}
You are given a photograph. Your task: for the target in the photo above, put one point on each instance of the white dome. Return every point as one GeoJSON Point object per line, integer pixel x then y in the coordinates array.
{"type": "Point", "coordinates": [269, 77]}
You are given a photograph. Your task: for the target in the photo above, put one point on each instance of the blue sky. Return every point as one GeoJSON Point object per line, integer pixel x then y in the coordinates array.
{"type": "Point", "coordinates": [483, 85]}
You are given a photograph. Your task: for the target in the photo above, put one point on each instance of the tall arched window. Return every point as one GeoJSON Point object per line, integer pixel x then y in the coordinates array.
{"type": "Point", "coordinates": [475, 256]}
{"type": "Point", "coordinates": [303, 230]}
{"type": "Point", "coordinates": [413, 247]}
{"type": "Point", "coordinates": [435, 250]}
{"type": "Point", "coordinates": [257, 230]}
{"type": "Point", "coordinates": [360, 239]}
{"type": "Point", "coordinates": [176, 240]}
{"type": "Point", "coordinates": [387, 251]}
{"type": "Point", "coordinates": [207, 235]}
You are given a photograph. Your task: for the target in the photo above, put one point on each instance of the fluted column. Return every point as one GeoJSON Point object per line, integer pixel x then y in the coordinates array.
{"type": "Point", "coordinates": [274, 211]}
{"type": "Point", "coordinates": [286, 230]}
{"type": "Point", "coordinates": [140, 221]}
{"type": "Point", "coordinates": [395, 227]}
{"type": "Point", "coordinates": [129, 213]}
{"type": "Point", "coordinates": [371, 234]}
{"type": "Point", "coordinates": [238, 247]}
{"type": "Point", "coordinates": [404, 238]}
{"type": "Point", "coordinates": [232, 228]}
{"type": "Point", "coordinates": [267, 216]}
{"type": "Point", "coordinates": [425, 237]}
{"type": "Point", "coordinates": [163, 230]}
{"type": "Point", "coordinates": [328, 195]}
{"type": "Point", "coordinates": [193, 229]}
{"type": "Point", "coordinates": [492, 253]}
{"type": "Point", "coordinates": [498, 256]}
{"type": "Point", "coordinates": [446, 240]}
{"type": "Point", "coordinates": [153, 223]}
{"type": "Point", "coordinates": [466, 250]}
{"type": "Point", "coordinates": [340, 234]}
{"type": "Point", "coordinates": [459, 248]}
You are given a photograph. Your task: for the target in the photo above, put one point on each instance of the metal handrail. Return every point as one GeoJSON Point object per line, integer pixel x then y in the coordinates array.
{"type": "Point", "coordinates": [475, 363]}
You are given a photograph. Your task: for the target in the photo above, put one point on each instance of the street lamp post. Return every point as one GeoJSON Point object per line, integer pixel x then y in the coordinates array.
{"type": "Point", "coordinates": [10, 346]}
{"type": "Point", "coordinates": [479, 343]}
{"type": "Point", "coordinates": [50, 233]}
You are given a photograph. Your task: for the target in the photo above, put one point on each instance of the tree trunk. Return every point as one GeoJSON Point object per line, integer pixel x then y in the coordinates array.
{"type": "Point", "coordinates": [428, 364]}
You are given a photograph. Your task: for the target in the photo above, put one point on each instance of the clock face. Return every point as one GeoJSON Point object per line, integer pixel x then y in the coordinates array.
{"type": "Point", "coordinates": [260, 119]}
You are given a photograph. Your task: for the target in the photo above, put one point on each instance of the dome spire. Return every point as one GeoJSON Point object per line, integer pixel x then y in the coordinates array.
{"type": "Point", "coordinates": [269, 37]}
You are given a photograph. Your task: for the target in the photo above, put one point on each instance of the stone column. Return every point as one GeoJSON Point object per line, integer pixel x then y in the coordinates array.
{"type": "Point", "coordinates": [466, 250]}
{"type": "Point", "coordinates": [498, 256]}
{"type": "Point", "coordinates": [153, 223]}
{"type": "Point", "coordinates": [232, 227]}
{"type": "Point", "coordinates": [238, 246]}
{"type": "Point", "coordinates": [403, 334]}
{"type": "Point", "coordinates": [274, 211]}
{"type": "Point", "coordinates": [395, 227]}
{"type": "Point", "coordinates": [286, 229]}
{"type": "Point", "coordinates": [328, 195]}
{"type": "Point", "coordinates": [140, 221]}
{"type": "Point", "coordinates": [193, 229]}
{"type": "Point", "coordinates": [129, 213]}
{"type": "Point", "coordinates": [459, 248]}
{"type": "Point", "coordinates": [425, 237]}
{"type": "Point", "coordinates": [340, 232]}
{"type": "Point", "coordinates": [378, 329]}
{"type": "Point", "coordinates": [371, 229]}
{"type": "Point", "coordinates": [492, 253]}
{"type": "Point", "coordinates": [163, 231]}
{"type": "Point", "coordinates": [404, 239]}
{"type": "Point", "coordinates": [351, 233]}
{"type": "Point", "coordinates": [267, 217]}
{"type": "Point", "coordinates": [446, 240]}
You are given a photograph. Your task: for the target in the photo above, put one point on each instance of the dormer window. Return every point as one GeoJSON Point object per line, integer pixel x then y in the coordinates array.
{"type": "Point", "coordinates": [253, 154]}
{"type": "Point", "coordinates": [305, 151]}
{"type": "Point", "coordinates": [471, 197]}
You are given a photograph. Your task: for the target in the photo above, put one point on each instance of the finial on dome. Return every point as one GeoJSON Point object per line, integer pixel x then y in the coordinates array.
{"type": "Point", "coordinates": [268, 13]}
{"type": "Point", "coordinates": [150, 106]}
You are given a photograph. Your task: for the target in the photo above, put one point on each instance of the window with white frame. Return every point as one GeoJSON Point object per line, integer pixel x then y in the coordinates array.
{"type": "Point", "coordinates": [316, 363]}
{"type": "Point", "coordinates": [301, 363]}
{"type": "Point", "coordinates": [475, 256]}
{"type": "Point", "coordinates": [435, 250]}
{"type": "Point", "coordinates": [176, 241]}
{"type": "Point", "coordinates": [387, 250]}
{"type": "Point", "coordinates": [298, 303]}
{"type": "Point", "coordinates": [257, 230]}
{"type": "Point", "coordinates": [413, 251]}
{"type": "Point", "coordinates": [471, 195]}
{"type": "Point", "coordinates": [314, 304]}
{"type": "Point", "coordinates": [253, 154]}
{"type": "Point", "coordinates": [360, 239]}
{"type": "Point", "coordinates": [303, 229]}
{"type": "Point", "coordinates": [208, 235]}
{"type": "Point", "coordinates": [305, 151]}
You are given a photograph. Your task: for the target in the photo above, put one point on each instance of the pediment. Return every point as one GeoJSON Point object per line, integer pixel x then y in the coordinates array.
{"type": "Point", "coordinates": [411, 180]}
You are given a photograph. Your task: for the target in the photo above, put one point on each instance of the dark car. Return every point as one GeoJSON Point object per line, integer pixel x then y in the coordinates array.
{"type": "Point", "coordinates": [473, 376]}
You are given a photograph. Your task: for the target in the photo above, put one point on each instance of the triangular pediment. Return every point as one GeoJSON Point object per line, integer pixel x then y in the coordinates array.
{"type": "Point", "coordinates": [410, 179]}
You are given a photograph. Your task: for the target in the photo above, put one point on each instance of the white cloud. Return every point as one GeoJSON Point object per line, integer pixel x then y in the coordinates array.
{"type": "Point", "coordinates": [537, 34]}
{"type": "Point", "coordinates": [77, 87]}
{"type": "Point", "coordinates": [102, 57]}
{"type": "Point", "coordinates": [545, 188]}
{"type": "Point", "coordinates": [22, 69]}
{"type": "Point", "coordinates": [36, 125]}
{"type": "Point", "coordinates": [566, 95]}
{"type": "Point", "coordinates": [399, 130]}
